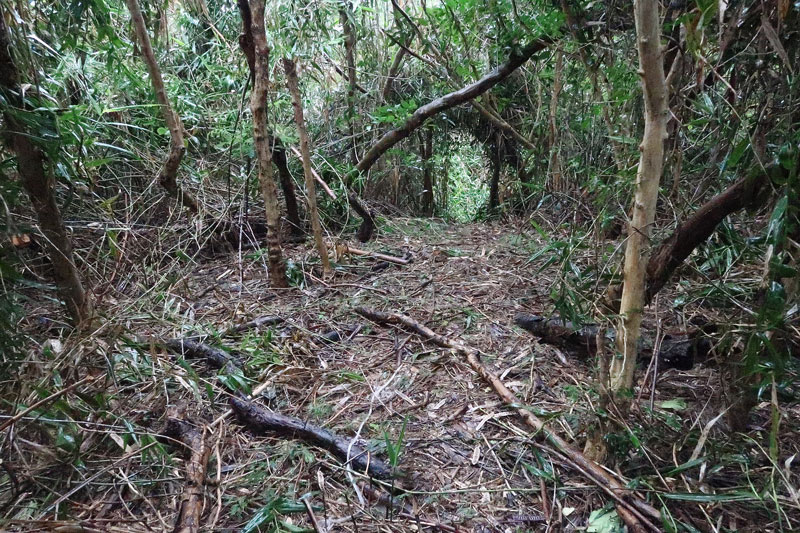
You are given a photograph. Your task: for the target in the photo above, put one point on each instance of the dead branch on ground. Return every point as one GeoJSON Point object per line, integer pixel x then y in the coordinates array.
{"type": "Point", "coordinates": [191, 506]}
{"type": "Point", "coordinates": [259, 420]}
{"type": "Point", "coordinates": [635, 511]}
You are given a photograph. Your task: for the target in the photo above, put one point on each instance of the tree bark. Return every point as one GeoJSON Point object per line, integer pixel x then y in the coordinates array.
{"type": "Point", "coordinates": [39, 184]}
{"type": "Point", "coordinates": [556, 177]}
{"type": "Point", "coordinates": [311, 190]}
{"type": "Point", "coordinates": [287, 185]}
{"type": "Point", "coordinates": [345, 15]}
{"type": "Point", "coordinates": [426, 148]}
{"type": "Point", "coordinates": [191, 506]}
{"type": "Point", "coordinates": [258, 106]}
{"type": "Point", "coordinates": [168, 175]}
{"type": "Point", "coordinates": [494, 186]}
{"type": "Point", "coordinates": [648, 30]}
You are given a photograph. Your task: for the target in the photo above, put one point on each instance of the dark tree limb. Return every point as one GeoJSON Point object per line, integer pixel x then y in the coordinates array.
{"type": "Point", "coordinates": [749, 192]}
{"type": "Point", "coordinates": [256, 323]}
{"type": "Point", "coordinates": [636, 512]}
{"type": "Point", "coordinates": [192, 349]}
{"type": "Point", "coordinates": [287, 184]}
{"type": "Point", "coordinates": [191, 506]}
{"type": "Point", "coordinates": [465, 94]}
{"type": "Point", "coordinates": [259, 420]}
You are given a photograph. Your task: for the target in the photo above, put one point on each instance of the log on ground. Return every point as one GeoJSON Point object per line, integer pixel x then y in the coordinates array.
{"type": "Point", "coordinates": [259, 420]}
{"type": "Point", "coordinates": [681, 351]}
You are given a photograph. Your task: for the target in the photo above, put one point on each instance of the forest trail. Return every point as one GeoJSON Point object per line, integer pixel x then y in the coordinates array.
{"type": "Point", "coordinates": [465, 462]}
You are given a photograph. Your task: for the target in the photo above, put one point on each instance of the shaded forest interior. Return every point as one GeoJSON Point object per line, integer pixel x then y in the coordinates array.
{"type": "Point", "coordinates": [399, 265]}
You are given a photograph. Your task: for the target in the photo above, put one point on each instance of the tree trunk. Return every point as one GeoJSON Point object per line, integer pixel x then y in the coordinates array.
{"type": "Point", "coordinates": [287, 184]}
{"type": "Point", "coordinates": [311, 190]}
{"type": "Point", "coordinates": [674, 350]}
{"type": "Point", "coordinates": [648, 30]}
{"type": "Point", "coordinates": [388, 87]}
{"type": "Point", "coordinates": [258, 106]}
{"type": "Point", "coordinates": [345, 15]}
{"type": "Point", "coordinates": [494, 186]}
{"type": "Point", "coordinates": [168, 175]}
{"type": "Point", "coordinates": [39, 184]}
{"type": "Point", "coordinates": [426, 149]}
{"type": "Point", "coordinates": [556, 177]}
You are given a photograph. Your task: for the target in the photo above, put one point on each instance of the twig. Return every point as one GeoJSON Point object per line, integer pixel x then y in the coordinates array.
{"type": "Point", "coordinates": [319, 528]}
{"type": "Point", "coordinates": [346, 249]}
{"type": "Point", "coordinates": [321, 182]}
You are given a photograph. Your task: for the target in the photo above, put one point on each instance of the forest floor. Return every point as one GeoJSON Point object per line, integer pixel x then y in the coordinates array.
{"type": "Point", "coordinates": [97, 460]}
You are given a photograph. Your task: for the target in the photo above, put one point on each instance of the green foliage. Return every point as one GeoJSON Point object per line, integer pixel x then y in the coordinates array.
{"type": "Point", "coordinates": [467, 191]}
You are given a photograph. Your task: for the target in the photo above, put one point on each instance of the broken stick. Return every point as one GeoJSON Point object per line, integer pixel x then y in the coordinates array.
{"type": "Point", "coordinates": [259, 420]}
{"type": "Point", "coordinates": [632, 509]}
{"type": "Point", "coordinates": [191, 505]}
{"type": "Point", "coordinates": [342, 249]}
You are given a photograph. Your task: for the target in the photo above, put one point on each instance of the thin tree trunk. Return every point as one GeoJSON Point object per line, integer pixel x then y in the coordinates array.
{"type": "Point", "coordinates": [311, 190]}
{"type": "Point", "coordinates": [426, 149]}
{"type": "Point", "coordinates": [388, 87]}
{"type": "Point", "coordinates": [555, 164]}
{"type": "Point", "coordinates": [168, 175]}
{"type": "Point", "coordinates": [345, 14]}
{"type": "Point", "coordinates": [258, 106]}
{"type": "Point", "coordinates": [648, 30]}
{"type": "Point", "coordinates": [39, 184]}
{"type": "Point", "coordinates": [287, 184]}
{"type": "Point", "coordinates": [494, 186]}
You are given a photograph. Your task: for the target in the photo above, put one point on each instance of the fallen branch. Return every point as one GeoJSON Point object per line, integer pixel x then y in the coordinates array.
{"type": "Point", "coordinates": [343, 249]}
{"type": "Point", "coordinates": [635, 511]}
{"type": "Point", "coordinates": [191, 505]}
{"type": "Point", "coordinates": [256, 323]}
{"type": "Point", "coordinates": [674, 351]}
{"type": "Point", "coordinates": [191, 349]}
{"type": "Point", "coordinates": [259, 420]}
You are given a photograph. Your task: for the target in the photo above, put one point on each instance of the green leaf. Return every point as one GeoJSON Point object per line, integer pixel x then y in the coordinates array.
{"type": "Point", "coordinates": [604, 521]}
{"type": "Point", "coordinates": [677, 404]}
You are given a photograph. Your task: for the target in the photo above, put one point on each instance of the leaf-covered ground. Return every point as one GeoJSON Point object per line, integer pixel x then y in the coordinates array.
{"type": "Point", "coordinates": [96, 457]}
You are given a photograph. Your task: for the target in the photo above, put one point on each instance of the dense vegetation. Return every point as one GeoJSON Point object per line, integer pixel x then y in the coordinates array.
{"type": "Point", "coordinates": [213, 206]}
